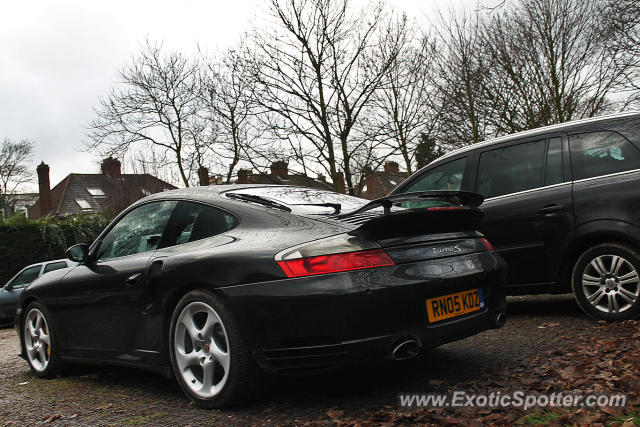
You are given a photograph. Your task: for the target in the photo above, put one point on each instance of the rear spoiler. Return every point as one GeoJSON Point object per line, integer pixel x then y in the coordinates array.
{"type": "Point", "coordinates": [462, 198]}
{"type": "Point", "coordinates": [413, 222]}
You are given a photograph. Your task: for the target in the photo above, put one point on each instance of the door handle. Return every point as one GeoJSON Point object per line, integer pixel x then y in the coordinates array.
{"type": "Point", "coordinates": [134, 280]}
{"type": "Point", "coordinates": [550, 209]}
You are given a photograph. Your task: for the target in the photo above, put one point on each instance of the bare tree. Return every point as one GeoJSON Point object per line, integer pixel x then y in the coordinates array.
{"type": "Point", "coordinates": [156, 104]}
{"type": "Point", "coordinates": [317, 71]}
{"type": "Point", "coordinates": [14, 170]}
{"type": "Point", "coordinates": [553, 61]}
{"type": "Point", "coordinates": [622, 19]}
{"type": "Point", "coordinates": [461, 70]}
{"type": "Point", "coordinates": [229, 95]}
{"type": "Point", "coordinates": [405, 107]}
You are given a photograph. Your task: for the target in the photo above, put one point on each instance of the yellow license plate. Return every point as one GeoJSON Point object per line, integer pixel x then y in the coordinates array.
{"type": "Point", "coordinates": [453, 305]}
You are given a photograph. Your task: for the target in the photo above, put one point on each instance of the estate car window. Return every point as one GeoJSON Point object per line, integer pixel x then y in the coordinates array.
{"type": "Point", "coordinates": [554, 172]}
{"type": "Point", "coordinates": [602, 153]}
{"type": "Point", "coordinates": [511, 169]}
{"type": "Point", "coordinates": [139, 231]}
{"type": "Point", "coordinates": [194, 221]}
{"type": "Point", "coordinates": [443, 177]}
{"type": "Point", "coordinates": [52, 266]}
{"type": "Point", "coordinates": [447, 177]}
{"type": "Point", "coordinates": [26, 277]}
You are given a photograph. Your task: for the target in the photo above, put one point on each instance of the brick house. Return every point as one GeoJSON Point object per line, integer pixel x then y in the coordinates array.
{"type": "Point", "coordinates": [378, 184]}
{"type": "Point", "coordinates": [110, 191]}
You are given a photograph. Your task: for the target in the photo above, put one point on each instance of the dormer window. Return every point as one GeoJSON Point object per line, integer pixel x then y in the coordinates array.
{"type": "Point", "coordinates": [145, 191]}
{"type": "Point", "coordinates": [84, 205]}
{"type": "Point", "coordinates": [96, 192]}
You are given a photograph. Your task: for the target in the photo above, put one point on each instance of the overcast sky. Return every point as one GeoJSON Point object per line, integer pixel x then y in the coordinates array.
{"type": "Point", "coordinates": [58, 57]}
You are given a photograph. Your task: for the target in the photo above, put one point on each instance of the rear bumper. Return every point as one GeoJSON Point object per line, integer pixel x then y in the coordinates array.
{"type": "Point", "coordinates": [315, 323]}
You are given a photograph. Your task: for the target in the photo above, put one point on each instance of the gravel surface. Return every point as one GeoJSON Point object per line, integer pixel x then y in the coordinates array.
{"type": "Point", "coordinates": [102, 395]}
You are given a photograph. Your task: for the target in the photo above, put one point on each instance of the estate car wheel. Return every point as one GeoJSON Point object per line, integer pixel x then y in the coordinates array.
{"type": "Point", "coordinates": [209, 357]}
{"type": "Point", "coordinates": [606, 284]}
{"type": "Point", "coordinates": [39, 342]}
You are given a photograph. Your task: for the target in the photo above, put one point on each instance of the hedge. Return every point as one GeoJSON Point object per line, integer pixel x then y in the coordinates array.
{"type": "Point", "coordinates": [24, 242]}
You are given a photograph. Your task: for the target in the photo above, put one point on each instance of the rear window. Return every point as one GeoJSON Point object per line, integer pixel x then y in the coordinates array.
{"type": "Point", "coordinates": [601, 153]}
{"type": "Point", "coordinates": [305, 200]}
{"type": "Point", "coordinates": [55, 266]}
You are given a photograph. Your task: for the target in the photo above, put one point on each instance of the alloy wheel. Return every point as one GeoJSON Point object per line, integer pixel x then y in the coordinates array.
{"type": "Point", "coordinates": [611, 284]}
{"type": "Point", "coordinates": [37, 340]}
{"type": "Point", "coordinates": [201, 349]}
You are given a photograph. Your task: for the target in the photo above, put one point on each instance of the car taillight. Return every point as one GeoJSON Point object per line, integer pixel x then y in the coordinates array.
{"type": "Point", "coordinates": [487, 245]}
{"type": "Point", "coordinates": [443, 208]}
{"type": "Point", "coordinates": [324, 264]}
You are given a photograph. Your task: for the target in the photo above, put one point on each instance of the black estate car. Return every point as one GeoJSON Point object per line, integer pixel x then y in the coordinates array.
{"type": "Point", "coordinates": [562, 206]}
{"type": "Point", "coordinates": [219, 284]}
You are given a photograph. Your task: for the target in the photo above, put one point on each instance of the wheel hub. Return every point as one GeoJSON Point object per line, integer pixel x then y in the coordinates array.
{"type": "Point", "coordinates": [203, 358]}
{"type": "Point", "coordinates": [611, 284]}
{"type": "Point", "coordinates": [37, 340]}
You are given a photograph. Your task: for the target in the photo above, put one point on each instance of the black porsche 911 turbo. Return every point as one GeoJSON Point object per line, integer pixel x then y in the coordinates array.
{"type": "Point", "coordinates": [218, 285]}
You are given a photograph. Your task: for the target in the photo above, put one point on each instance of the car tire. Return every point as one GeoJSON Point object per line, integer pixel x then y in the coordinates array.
{"type": "Point", "coordinates": [209, 356]}
{"type": "Point", "coordinates": [605, 282]}
{"type": "Point", "coordinates": [39, 342]}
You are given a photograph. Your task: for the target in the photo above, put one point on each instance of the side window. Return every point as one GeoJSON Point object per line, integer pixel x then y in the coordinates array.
{"type": "Point", "coordinates": [194, 221]}
{"type": "Point", "coordinates": [139, 231]}
{"type": "Point", "coordinates": [511, 169]}
{"type": "Point", "coordinates": [554, 172]}
{"type": "Point", "coordinates": [601, 153]}
{"type": "Point", "coordinates": [446, 177]}
{"type": "Point", "coordinates": [54, 266]}
{"type": "Point", "coordinates": [443, 177]}
{"type": "Point", "coordinates": [26, 277]}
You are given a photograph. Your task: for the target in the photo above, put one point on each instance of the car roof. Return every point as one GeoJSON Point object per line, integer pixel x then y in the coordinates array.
{"type": "Point", "coordinates": [215, 192]}
{"type": "Point", "coordinates": [537, 131]}
{"type": "Point", "coordinates": [47, 262]}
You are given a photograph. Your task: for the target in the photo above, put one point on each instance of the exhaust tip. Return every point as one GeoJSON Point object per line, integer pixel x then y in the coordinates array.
{"type": "Point", "coordinates": [405, 349]}
{"type": "Point", "coordinates": [501, 319]}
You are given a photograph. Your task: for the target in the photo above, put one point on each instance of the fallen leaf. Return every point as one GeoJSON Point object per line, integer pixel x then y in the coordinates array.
{"type": "Point", "coordinates": [335, 414]}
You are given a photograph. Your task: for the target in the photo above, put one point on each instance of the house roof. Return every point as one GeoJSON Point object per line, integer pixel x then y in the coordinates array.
{"type": "Point", "coordinates": [296, 179]}
{"type": "Point", "coordinates": [99, 192]}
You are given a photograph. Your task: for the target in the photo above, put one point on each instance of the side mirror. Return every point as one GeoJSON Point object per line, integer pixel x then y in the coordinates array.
{"type": "Point", "coordinates": [8, 287]}
{"type": "Point", "coordinates": [78, 253]}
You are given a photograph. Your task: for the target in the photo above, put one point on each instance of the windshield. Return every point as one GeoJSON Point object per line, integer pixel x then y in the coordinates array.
{"type": "Point", "coordinates": [305, 200]}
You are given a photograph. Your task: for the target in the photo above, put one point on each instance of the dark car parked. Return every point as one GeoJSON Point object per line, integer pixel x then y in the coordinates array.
{"type": "Point", "coordinates": [562, 206]}
{"type": "Point", "coordinates": [11, 291]}
{"type": "Point", "coordinates": [217, 284]}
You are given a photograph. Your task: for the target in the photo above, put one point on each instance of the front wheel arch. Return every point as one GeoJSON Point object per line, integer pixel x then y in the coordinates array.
{"type": "Point", "coordinates": [602, 292]}
{"type": "Point", "coordinates": [590, 235]}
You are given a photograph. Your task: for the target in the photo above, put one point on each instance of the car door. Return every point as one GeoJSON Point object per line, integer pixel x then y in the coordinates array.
{"type": "Point", "coordinates": [99, 303]}
{"type": "Point", "coordinates": [194, 230]}
{"type": "Point", "coordinates": [11, 291]}
{"type": "Point", "coordinates": [528, 205]}
{"type": "Point", "coordinates": [605, 163]}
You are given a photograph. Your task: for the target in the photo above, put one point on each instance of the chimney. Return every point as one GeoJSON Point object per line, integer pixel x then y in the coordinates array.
{"type": "Point", "coordinates": [111, 168]}
{"type": "Point", "coordinates": [243, 176]}
{"type": "Point", "coordinates": [340, 180]}
{"type": "Point", "coordinates": [322, 178]}
{"type": "Point", "coordinates": [203, 175]}
{"type": "Point", "coordinates": [392, 168]}
{"type": "Point", "coordinates": [280, 169]}
{"type": "Point", "coordinates": [44, 188]}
